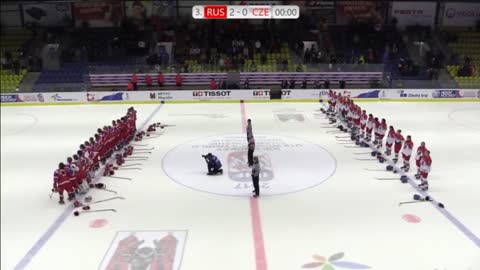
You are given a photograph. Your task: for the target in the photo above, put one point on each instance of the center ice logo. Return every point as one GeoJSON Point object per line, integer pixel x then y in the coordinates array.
{"type": "Point", "coordinates": [239, 171]}
{"type": "Point", "coordinates": [286, 164]}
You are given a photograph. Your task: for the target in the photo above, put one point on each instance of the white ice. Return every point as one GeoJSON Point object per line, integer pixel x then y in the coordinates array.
{"type": "Point", "coordinates": [351, 212]}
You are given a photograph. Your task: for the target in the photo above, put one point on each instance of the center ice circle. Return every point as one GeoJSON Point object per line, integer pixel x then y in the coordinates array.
{"type": "Point", "coordinates": [287, 164]}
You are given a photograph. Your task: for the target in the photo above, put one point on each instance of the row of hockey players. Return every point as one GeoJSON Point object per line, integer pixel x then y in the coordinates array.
{"type": "Point", "coordinates": [361, 125]}
{"type": "Point", "coordinates": [75, 176]}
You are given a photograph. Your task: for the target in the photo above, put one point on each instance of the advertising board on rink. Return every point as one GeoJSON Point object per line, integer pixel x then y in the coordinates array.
{"type": "Point", "coordinates": [236, 94]}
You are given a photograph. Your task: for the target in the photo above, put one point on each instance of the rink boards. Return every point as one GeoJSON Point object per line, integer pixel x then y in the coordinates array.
{"type": "Point", "coordinates": [251, 95]}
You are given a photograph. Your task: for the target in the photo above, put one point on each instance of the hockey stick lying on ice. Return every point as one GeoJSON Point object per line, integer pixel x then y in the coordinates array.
{"type": "Point", "coordinates": [352, 146]}
{"type": "Point", "coordinates": [141, 152]}
{"type": "Point", "coordinates": [375, 170]}
{"type": "Point", "coordinates": [366, 153]}
{"type": "Point", "coordinates": [387, 178]}
{"type": "Point", "coordinates": [77, 213]}
{"type": "Point", "coordinates": [364, 159]}
{"type": "Point", "coordinates": [342, 137]}
{"type": "Point", "coordinates": [346, 143]}
{"type": "Point", "coordinates": [152, 137]}
{"type": "Point", "coordinates": [146, 149]}
{"type": "Point", "coordinates": [124, 178]}
{"type": "Point", "coordinates": [136, 157]}
{"type": "Point", "coordinates": [124, 169]}
{"type": "Point", "coordinates": [106, 200]}
{"type": "Point", "coordinates": [109, 190]}
{"type": "Point", "coordinates": [139, 144]}
{"type": "Point", "coordinates": [128, 165]}
{"type": "Point", "coordinates": [417, 199]}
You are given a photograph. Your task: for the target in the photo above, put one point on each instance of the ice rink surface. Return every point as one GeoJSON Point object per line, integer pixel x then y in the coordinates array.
{"type": "Point", "coordinates": [319, 207]}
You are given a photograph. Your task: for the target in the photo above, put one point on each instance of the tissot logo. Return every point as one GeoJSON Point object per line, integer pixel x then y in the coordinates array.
{"type": "Point", "coordinates": [286, 92]}
{"type": "Point", "coordinates": [261, 92]}
{"type": "Point", "coordinates": [211, 93]}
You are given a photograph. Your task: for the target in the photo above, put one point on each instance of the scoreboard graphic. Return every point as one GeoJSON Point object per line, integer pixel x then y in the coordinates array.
{"type": "Point", "coordinates": [245, 12]}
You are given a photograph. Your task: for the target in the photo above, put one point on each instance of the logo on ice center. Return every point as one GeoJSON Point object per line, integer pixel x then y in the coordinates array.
{"type": "Point", "coordinates": [287, 164]}
{"type": "Point", "coordinates": [333, 261]}
{"type": "Point", "coordinates": [145, 250]}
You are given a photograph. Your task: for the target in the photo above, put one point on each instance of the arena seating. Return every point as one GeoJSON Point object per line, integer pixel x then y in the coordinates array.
{"type": "Point", "coordinates": [12, 41]}
{"type": "Point", "coordinates": [467, 44]}
{"type": "Point", "coordinates": [9, 81]}
{"type": "Point", "coordinates": [69, 73]}
{"type": "Point", "coordinates": [259, 78]}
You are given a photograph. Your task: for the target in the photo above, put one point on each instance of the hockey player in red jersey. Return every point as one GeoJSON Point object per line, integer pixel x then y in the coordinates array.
{"type": "Point", "coordinates": [390, 140]}
{"type": "Point", "coordinates": [381, 129]}
{"type": "Point", "coordinates": [73, 173]}
{"type": "Point", "coordinates": [399, 139]}
{"type": "Point", "coordinates": [418, 159]}
{"type": "Point", "coordinates": [81, 175]}
{"type": "Point", "coordinates": [363, 123]}
{"type": "Point", "coordinates": [61, 183]}
{"type": "Point", "coordinates": [407, 153]}
{"type": "Point", "coordinates": [425, 167]}
{"type": "Point", "coordinates": [369, 127]}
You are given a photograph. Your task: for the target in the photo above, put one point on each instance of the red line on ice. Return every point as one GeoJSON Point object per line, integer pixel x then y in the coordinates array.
{"type": "Point", "coordinates": [260, 258]}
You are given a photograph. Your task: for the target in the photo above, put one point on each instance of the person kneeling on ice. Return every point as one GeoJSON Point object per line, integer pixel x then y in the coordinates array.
{"type": "Point", "coordinates": [213, 163]}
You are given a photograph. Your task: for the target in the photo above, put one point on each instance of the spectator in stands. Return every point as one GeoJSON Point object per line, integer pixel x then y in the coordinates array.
{"type": "Point", "coordinates": [326, 84]}
{"type": "Point", "coordinates": [224, 84]}
{"type": "Point", "coordinates": [299, 68]}
{"type": "Point", "coordinates": [246, 84]}
{"type": "Point", "coordinates": [228, 63]}
{"type": "Point", "coordinates": [213, 84]}
{"type": "Point", "coordinates": [333, 59]}
{"type": "Point", "coordinates": [164, 59]}
{"type": "Point", "coordinates": [317, 85]}
{"type": "Point", "coordinates": [284, 84]}
{"type": "Point", "coordinates": [263, 58]}
{"type": "Point", "coordinates": [160, 79]}
{"type": "Point", "coordinates": [319, 57]}
{"type": "Point", "coordinates": [253, 67]}
{"type": "Point", "coordinates": [3, 62]}
{"type": "Point", "coordinates": [221, 63]}
{"type": "Point", "coordinates": [284, 65]}
{"type": "Point", "coordinates": [148, 80]}
{"type": "Point", "coordinates": [245, 52]}
{"type": "Point", "coordinates": [130, 86]}
{"type": "Point", "coordinates": [361, 60]}
{"type": "Point", "coordinates": [307, 55]}
{"type": "Point", "coordinates": [304, 84]}
{"type": "Point", "coordinates": [178, 79]}
{"type": "Point", "coordinates": [370, 56]}
{"type": "Point", "coordinates": [134, 81]}
{"type": "Point", "coordinates": [258, 46]}
{"type": "Point", "coordinates": [292, 84]}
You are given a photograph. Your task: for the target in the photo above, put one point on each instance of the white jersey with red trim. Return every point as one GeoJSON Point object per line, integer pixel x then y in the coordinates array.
{"type": "Point", "coordinates": [407, 148]}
